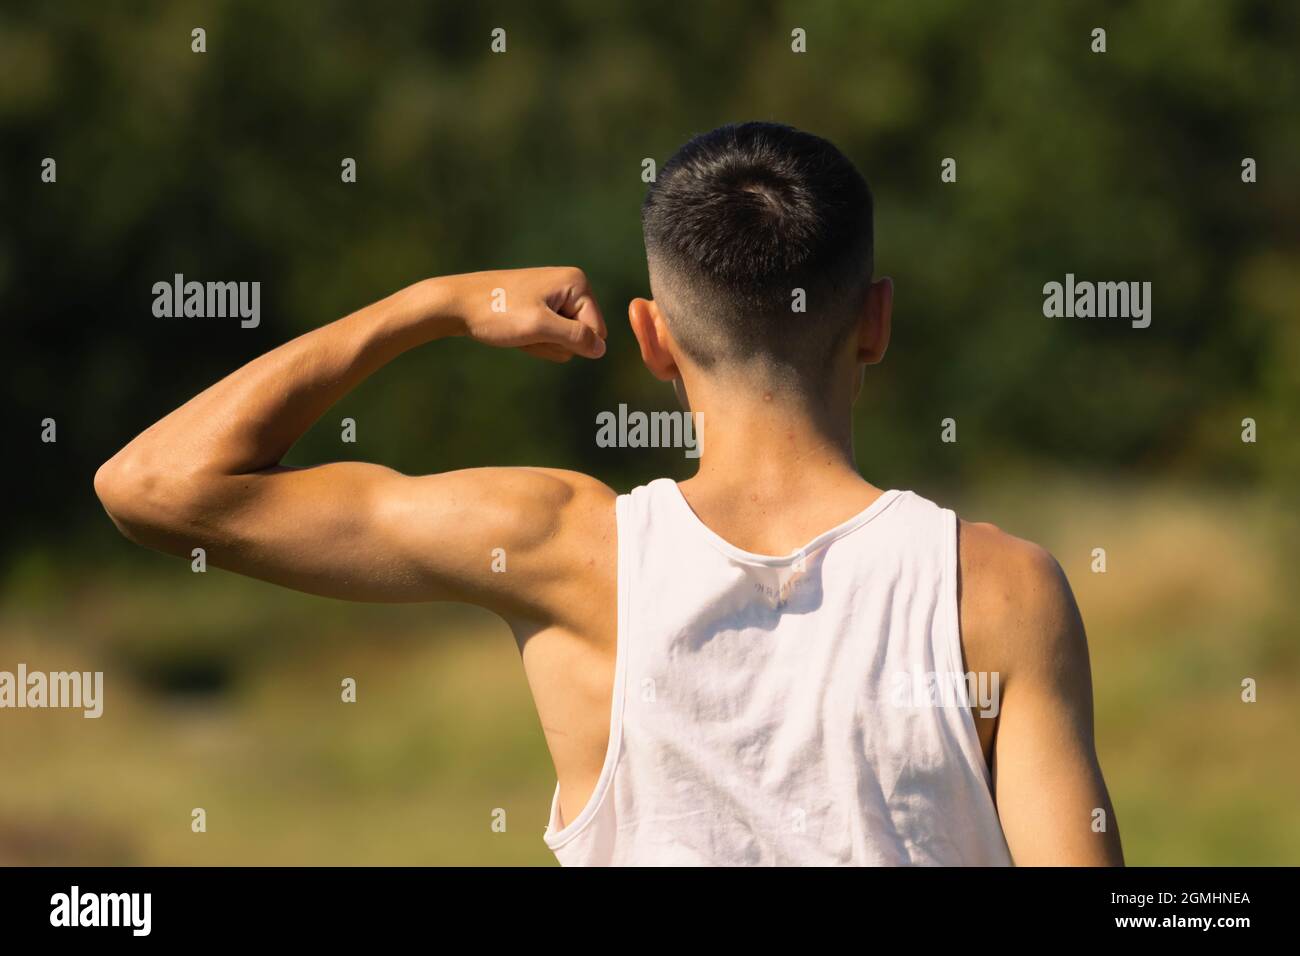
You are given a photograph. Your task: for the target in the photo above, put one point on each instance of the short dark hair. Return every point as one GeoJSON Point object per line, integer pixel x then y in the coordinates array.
{"type": "Point", "coordinates": [737, 220]}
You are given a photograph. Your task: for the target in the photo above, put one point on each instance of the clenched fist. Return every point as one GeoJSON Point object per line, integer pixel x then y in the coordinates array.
{"type": "Point", "coordinates": [548, 312]}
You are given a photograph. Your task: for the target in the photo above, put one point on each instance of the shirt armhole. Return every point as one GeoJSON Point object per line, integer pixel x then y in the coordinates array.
{"type": "Point", "coordinates": [613, 750]}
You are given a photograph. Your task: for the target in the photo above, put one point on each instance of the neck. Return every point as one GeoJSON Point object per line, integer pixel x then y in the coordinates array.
{"type": "Point", "coordinates": [771, 440]}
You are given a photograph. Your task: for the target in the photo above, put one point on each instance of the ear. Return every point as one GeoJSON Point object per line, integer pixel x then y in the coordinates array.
{"type": "Point", "coordinates": [873, 331]}
{"type": "Point", "coordinates": [657, 346]}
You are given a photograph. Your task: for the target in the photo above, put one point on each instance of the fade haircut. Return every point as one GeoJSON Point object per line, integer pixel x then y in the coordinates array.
{"type": "Point", "coordinates": [736, 221]}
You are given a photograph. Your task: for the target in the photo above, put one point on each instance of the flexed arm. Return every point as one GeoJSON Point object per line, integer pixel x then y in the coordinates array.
{"type": "Point", "coordinates": [209, 474]}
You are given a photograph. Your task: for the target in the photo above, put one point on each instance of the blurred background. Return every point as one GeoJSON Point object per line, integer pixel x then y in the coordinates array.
{"type": "Point", "coordinates": [223, 693]}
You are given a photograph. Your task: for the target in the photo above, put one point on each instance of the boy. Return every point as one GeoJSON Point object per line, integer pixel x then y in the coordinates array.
{"type": "Point", "coordinates": [747, 667]}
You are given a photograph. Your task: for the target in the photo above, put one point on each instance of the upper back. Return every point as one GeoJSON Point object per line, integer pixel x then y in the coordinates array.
{"type": "Point", "coordinates": [782, 709]}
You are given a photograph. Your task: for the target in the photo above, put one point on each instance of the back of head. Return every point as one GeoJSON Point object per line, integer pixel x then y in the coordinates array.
{"type": "Point", "coordinates": [742, 226]}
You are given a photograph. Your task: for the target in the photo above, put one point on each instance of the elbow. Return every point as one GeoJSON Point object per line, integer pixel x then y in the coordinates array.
{"type": "Point", "coordinates": [123, 490]}
{"type": "Point", "coordinates": [144, 502]}
{"type": "Point", "coordinates": [109, 481]}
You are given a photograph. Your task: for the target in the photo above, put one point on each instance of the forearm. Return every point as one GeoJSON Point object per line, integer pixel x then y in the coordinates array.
{"type": "Point", "coordinates": [249, 420]}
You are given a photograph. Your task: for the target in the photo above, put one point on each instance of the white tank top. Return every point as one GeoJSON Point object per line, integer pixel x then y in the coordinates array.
{"type": "Point", "coordinates": [780, 710]}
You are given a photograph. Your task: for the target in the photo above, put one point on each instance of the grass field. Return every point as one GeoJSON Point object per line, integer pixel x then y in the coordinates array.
{"type": "Point", "coordinates": [224, 694]}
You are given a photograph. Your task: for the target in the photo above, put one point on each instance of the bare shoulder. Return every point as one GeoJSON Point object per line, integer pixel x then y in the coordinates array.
{"type": "Point", "coordinates": [1017, 610]}
{"type": "Point", "coordinates": [565, 531]}
{"type": "Point", "coordinates": [559, 514]}
{"type": "Point", "coordinates": [529, 506]}
{"type": "Point", "coordinates": [553, 492]}
{"type": "Point", "coordinates": [523, 542]}
{"type": "Point", "coordinates": [571, 504]}
{"type": "Point", "coordinates": [1003, 571]}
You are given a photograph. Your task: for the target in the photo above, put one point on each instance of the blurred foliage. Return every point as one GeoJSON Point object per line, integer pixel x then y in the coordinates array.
{"type": "Point", "coordinates": [225, 165]}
